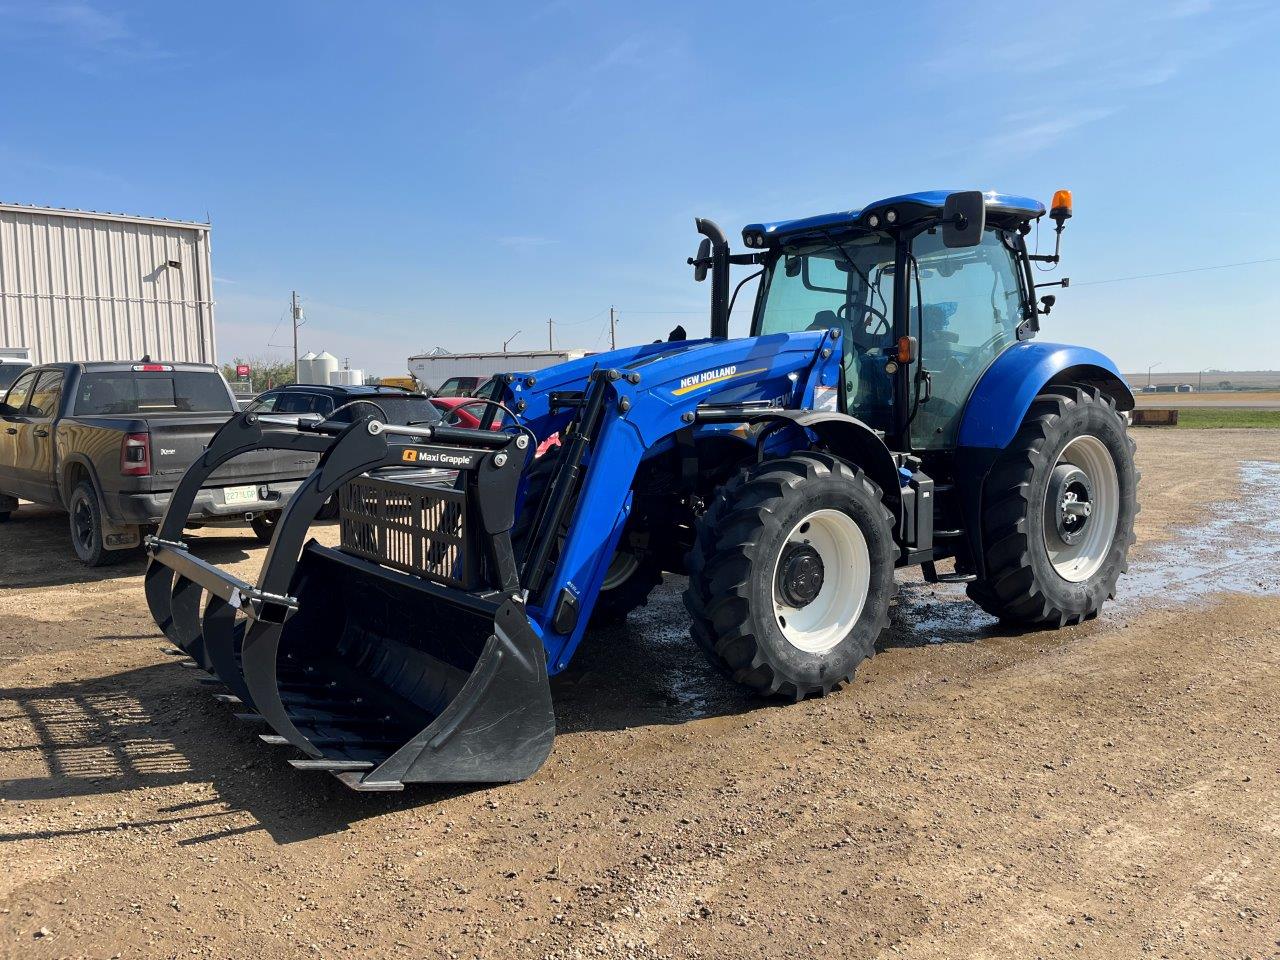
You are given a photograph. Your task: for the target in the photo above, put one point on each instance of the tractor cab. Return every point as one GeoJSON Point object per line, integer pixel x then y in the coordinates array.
{"type": "Point", "coordinates": [923, 307]}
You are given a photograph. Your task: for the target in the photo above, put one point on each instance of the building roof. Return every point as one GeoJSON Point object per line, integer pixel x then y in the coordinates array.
{"type": "Point", "coordinates": [30, 208]}
{"type": "Point", "coordinates": [1000, 207]}
{"type": "Point", "coordinates": [572, 352]}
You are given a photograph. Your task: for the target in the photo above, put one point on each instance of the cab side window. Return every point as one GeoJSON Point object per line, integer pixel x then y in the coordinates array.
{"type": "Point", "coordinates": [44, 399]}
{"type": "Point", "coordinates": [16, 399]}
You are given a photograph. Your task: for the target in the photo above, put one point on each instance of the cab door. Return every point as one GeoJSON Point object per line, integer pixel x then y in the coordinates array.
{"type": "Point", "coordinates": [35, 453]}
{"type": "Point", "coordinates": [11, 422]}
{"type": "Point", "coordinates": [969, 309]}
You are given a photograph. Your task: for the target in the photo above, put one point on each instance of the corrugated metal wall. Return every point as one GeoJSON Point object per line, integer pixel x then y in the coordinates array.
{"type": "Point", "coordinates": [80, 286]}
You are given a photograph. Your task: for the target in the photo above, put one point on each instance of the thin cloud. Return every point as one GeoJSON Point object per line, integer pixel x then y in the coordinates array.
{"type": "Point", "coordinates": [79, 25]}
{"type": "Point", "coordinates": [526, 242]}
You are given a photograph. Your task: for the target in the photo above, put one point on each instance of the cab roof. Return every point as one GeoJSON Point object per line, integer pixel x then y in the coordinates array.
{"type": "Point", "coordinates": [1003, 209]}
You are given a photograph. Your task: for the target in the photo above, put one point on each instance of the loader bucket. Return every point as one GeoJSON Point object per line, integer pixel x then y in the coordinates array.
{"type": "Point", "coordinates": [385, 682]}
{"type": "Point", "coordinates": [404, 656]}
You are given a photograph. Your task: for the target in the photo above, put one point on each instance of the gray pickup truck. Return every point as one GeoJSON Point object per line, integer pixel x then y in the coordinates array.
{"type": "Point", "coordinates": [109, 442]}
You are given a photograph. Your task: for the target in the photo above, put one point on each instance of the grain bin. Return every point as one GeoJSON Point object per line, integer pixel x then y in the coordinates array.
{"type": "Point", "coordinates": [347, 378]}
{"type": "Point", "coordinates": [323, 367]}
{"type": "Point", "coordinates": [306, 368]}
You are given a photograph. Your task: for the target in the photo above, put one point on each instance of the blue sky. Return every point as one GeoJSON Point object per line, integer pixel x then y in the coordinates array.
{"type": "Point", "coordinates": [432, 174]}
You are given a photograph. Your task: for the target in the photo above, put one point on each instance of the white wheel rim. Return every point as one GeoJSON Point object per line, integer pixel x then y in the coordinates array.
{"type": "Point", "coordinates": [821, 624]}
{"type": "Point", "coordinates": [1078, 561]}
{"type": "Point", "coordinates": [621, 567]}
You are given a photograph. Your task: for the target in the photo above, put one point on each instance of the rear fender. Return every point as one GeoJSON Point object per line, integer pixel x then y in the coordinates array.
{"type": "Point", "coordinates": [1005, 391]}
{"type": "Point", "coordinates": [999, 403]}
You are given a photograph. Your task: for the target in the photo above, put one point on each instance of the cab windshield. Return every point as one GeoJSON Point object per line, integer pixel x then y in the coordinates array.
{"type": "Point", "coordinates": [847, 285]}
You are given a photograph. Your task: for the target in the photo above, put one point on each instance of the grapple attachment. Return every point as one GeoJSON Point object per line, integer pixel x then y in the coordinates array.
{"type": "Point", "coordinates": [403, 656]}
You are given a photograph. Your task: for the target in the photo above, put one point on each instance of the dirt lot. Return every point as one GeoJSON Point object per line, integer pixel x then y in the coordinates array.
{"type": "Point", "coordinates": [1106, 791]}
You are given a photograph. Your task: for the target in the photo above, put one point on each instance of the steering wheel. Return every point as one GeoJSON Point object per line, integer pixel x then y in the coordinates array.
{"type": "Point", "coordinates": [884, 326]}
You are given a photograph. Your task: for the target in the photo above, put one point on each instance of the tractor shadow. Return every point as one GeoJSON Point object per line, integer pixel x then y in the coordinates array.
{"type": "Point", "coordinates": [155, 726]}
{"type": "Point", "coordinates": [928, 614]}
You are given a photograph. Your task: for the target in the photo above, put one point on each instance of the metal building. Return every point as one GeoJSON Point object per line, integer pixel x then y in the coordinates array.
{"type": "Point", "coordinates": [78, 285]}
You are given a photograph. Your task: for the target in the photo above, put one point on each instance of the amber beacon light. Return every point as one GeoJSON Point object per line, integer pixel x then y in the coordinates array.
{"type": "Point", "coordinates": [1060, 209]}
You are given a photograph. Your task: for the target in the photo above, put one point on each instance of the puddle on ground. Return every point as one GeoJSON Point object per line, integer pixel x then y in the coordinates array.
{"type": "Point", "coordinates": [1234, 551]}
{"type": "Point", "coordinates": [650, 671]}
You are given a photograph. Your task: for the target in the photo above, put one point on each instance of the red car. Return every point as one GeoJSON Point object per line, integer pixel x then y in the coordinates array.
{"type": "Point", "coordinates": [461, 411]}
{"type": "Point", "coordinates": [467, 411]}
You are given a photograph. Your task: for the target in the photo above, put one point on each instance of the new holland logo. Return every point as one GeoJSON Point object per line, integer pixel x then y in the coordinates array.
{"type": "Point", "coordinates": [708, 377]}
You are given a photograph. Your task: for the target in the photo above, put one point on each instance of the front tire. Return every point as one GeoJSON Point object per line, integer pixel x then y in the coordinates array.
{"type": "Point", "coordinates": [791, 575]}
{"type": "Point", "coordinates": [1058, 512]}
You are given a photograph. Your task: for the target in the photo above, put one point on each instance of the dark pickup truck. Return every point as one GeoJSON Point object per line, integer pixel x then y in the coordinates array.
{"type": "Point", "coordinates": [110, 441]}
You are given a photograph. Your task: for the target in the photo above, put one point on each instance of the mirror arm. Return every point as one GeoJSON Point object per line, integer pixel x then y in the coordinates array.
{"type": "Point", "coordinates": [1056, 256]}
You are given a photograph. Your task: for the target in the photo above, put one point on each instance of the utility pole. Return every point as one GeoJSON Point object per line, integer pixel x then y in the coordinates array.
{"type": "Point", "coordinates": [297, 315]}
{"type": "Point", "coordinates": [1150, 368]}
{"type": "Point", "coordinates": [613, 329]}
{"type": "Point", "coordinates": [508, 340]}
{"type": "Point", "coordinates": [1200, 385]}
{"type": "Point", "coordinates": [550, 345]}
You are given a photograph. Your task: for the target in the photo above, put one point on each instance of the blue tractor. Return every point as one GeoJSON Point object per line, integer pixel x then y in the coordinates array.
{"type": "Point", "coordinates": [892, 407]}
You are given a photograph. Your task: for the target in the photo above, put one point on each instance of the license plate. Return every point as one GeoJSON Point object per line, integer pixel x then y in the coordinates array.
{"type": "Point", "coordinates": [233, 495]}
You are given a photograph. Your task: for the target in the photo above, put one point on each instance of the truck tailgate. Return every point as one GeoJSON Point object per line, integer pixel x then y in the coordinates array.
{"type": "Point", "coordinates": [178, 441]}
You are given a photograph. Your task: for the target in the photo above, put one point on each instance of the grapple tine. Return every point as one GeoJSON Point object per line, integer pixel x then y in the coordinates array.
{"type": "Point", "coordinates": [221, 632]}
{"type": "Point", "coordinates": [187, 630]}
{"type": "Point", "coordinates": [158, 584]}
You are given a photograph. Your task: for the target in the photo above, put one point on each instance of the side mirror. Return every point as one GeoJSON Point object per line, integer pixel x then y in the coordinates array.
{"type": "Point", "coordinates": [964, 217]}
{"type": "Point", "coordinates": [701, 260]}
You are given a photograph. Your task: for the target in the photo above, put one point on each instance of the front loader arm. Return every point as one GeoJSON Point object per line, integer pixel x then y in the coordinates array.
{"type": "Point", "coordinates": [610, 419]}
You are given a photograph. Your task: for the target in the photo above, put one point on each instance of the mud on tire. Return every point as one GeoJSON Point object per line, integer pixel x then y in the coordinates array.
{"type": "Point", "coordinates": [1021, 583]}
{"type": "Point", "coordinates": [733, 572]}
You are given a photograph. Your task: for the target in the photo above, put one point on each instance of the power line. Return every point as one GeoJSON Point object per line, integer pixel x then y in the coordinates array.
{"type": "Point", "coordinates": [1174, 273]}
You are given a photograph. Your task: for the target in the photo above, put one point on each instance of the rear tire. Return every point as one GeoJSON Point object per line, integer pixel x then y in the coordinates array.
{"type": "Point", "coordinates": [86, 528]}
{"type": "Point", "coordinates": [791, 575]}
{"type": "Point", "coordinates": [1058, 512]}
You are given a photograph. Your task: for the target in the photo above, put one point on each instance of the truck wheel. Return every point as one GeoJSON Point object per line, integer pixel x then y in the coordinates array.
{"type": "Point", "coordinates": [86, 528]}
{"type": "Point", "coordinates": [791, 575]}
{"type": "Point", "coordinates": [1058, 511]}
{"type": "Point", "coordinates": [264, 525]}
{"type": "Point", "coordinates": [630, 577]}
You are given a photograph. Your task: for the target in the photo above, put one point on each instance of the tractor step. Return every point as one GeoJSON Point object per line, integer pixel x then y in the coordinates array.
{"type": "Point", "coordinates": [931, 575]}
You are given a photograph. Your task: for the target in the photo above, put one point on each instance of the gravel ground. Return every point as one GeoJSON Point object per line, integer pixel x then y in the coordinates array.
{"type": "Point", "coordinates": [1110, 790]}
